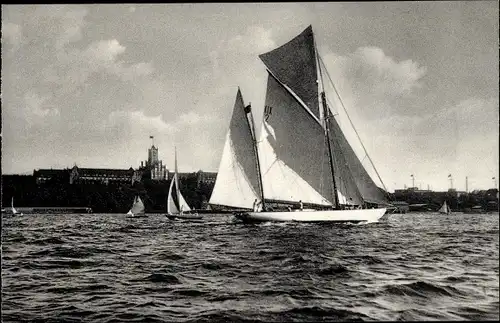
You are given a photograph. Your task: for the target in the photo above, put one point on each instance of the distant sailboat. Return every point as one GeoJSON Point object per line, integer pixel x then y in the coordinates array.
{"type": "Point", "coordinates": [177, 207]}
{"type": "Point", "coordinates": [14, 211]}
{"type": "Point", "coordinates": [302, 158]}
{"type": "Point", "coordinates": [137, 209]}
{"type": "Point", "coordinates": [445, 209]}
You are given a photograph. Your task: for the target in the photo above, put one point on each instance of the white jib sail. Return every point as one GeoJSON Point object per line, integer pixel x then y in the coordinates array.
{"type": "Point", "coordinates": [232, 187]}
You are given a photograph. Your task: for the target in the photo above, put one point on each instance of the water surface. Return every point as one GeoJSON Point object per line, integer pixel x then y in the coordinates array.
{"type": "Point", "coordinates": [110, 268]}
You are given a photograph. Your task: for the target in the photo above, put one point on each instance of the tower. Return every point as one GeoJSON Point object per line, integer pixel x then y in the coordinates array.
{"type": "Point", "coordinates": [152, 156]}
{"type": "Point", "coordinates": [154, 167]}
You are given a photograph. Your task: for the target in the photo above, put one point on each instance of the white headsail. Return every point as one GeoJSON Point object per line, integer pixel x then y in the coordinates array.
{"type": "Point", "coordinates": [237, 179]}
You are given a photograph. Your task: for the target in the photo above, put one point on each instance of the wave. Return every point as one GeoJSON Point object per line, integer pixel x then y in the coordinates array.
{"type": "Point", "coordinates": [317, 313]}
{"type": "Point", "coordinates": [161, 278]}
{"type": "Point", "coordinates": [421, 289]}
{"type": "Point", "coordinates": [333, 270]}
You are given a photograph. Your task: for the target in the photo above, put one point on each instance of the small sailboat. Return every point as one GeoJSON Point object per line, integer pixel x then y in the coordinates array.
{"type": "Point", "coordinates": [302, 168]}
{"type": "Point", "coordinates": [177, 207]}
{"type": "Point", "coordinates": [445, 209]}
{"type": "Point", "coordinates": [137, 209]}
{"type": "Point", "coordinates": [14, 211]}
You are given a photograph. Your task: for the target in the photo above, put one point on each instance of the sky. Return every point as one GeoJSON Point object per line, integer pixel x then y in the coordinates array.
{"type": "Point", "coordinates": [88, 84]}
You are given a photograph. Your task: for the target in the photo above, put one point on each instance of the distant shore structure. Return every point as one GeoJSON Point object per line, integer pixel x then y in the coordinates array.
{"type": "Point", "coordinates": [150, 169]}
{"type": "Point", "coordinates": [154, 167]}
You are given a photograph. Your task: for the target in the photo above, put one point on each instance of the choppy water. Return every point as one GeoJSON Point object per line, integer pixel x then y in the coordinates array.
{"type": "Point", "coordinates": [109, 268]}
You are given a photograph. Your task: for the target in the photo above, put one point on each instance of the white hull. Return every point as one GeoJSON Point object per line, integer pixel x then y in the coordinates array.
{"type": "Point", "coordinates": [362, 215]}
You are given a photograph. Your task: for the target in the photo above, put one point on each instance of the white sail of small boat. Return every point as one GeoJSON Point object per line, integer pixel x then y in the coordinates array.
{"type": "Point", "coordinates": [445, 209]}
{"type": "Point", "coordinates": [137, 207]}
{"type": "Point", "coordinates": [14, 211]}
{"type": "Point", "coordinates": [177, 207]}
{"type": "Point", "coordinates": [302, 156]}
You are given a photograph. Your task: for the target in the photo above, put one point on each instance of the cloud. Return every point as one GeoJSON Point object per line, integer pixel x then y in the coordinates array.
{"type": "Point", "coordinates": [36, 108]}
{"type": "Point", "coordinates": [63, 90]}
{"type": "Point", "coordinates": [399, 123]}
{"type": "Point", "coordinates": [373, 82]}
{"type": "Point", "coordinates": [235, 63]}
{"type": "Point", "coordinates": [458, 139]}
{"type": "Point", "coordinates": [105, 51]}
{"type": "Point", "coordinates": [138, 123]}
{"type": "Point", "coordinates": [12, 33]}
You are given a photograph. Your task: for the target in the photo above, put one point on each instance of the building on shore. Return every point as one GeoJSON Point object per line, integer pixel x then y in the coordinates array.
{"type": "Point", "coordinates": [153, 168]}
{"type": "Point", "coordinates": [45, 175]}
{"type": "Point", "coordinates": [150, 169]}
{"type": "Point", "coordinates": [103, 175]}
{"type": "Point", "coordinates": [207, 178]}
{"type": "Point", "coordinates": [77, 175]}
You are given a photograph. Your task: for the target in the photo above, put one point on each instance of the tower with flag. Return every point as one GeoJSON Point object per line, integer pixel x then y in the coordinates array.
{"type": "Point", "coordinates": [154, 166]}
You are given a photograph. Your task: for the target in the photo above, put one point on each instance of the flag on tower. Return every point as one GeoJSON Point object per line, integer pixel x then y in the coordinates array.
{"type": "Point", "coordinates": [150, 137]}
{"type": "Point", "coordinates": [449, 175]}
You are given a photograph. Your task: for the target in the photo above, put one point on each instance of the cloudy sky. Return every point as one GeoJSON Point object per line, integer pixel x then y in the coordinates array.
{"type": "Point", "coordinates": [88, 84]}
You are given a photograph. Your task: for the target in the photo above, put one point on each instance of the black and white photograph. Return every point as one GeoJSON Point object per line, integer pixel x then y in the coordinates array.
{"type": "Point", "coordinates": [250, 162]}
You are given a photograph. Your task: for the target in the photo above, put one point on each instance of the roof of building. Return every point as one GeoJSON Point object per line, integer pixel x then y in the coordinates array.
{"type": "Point", "coordinates": [105, 171]}
{"type": "Point", "coordinates": [50, 172]}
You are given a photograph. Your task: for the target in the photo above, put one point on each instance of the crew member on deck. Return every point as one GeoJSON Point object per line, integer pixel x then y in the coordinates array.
{"type": "Point", "coordinates": [301, 205]}
{"type": "Point", "coordinates": [257, 205]}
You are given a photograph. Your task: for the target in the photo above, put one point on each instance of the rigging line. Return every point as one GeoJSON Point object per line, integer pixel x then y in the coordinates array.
{"type": "Point", "coordinates": [348, 117]}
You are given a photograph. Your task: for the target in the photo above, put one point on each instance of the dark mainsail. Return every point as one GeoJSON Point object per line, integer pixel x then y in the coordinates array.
{"type": "Point", "coordinates": [294, 64]}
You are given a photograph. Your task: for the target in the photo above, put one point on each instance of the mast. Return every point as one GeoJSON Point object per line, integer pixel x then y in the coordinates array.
{"type": "Point", "coordinates": [250, 122]}
{"type": "Point", "coordinates": [326, 115]}
{"type": "Point", "coordinates": [177, 191]}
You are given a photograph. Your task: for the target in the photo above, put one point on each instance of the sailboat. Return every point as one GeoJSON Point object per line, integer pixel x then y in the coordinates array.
{"type": "Point", "coordinates": [445, 209]}
{"type": "Point", "coordinates": [137, 209]}
{"type": "Point", "coordinates": [302, 168]}
{"type": "Point", "coordinates": [14, 211]}
{"type": "Point", "coordinates": [177, 207]}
